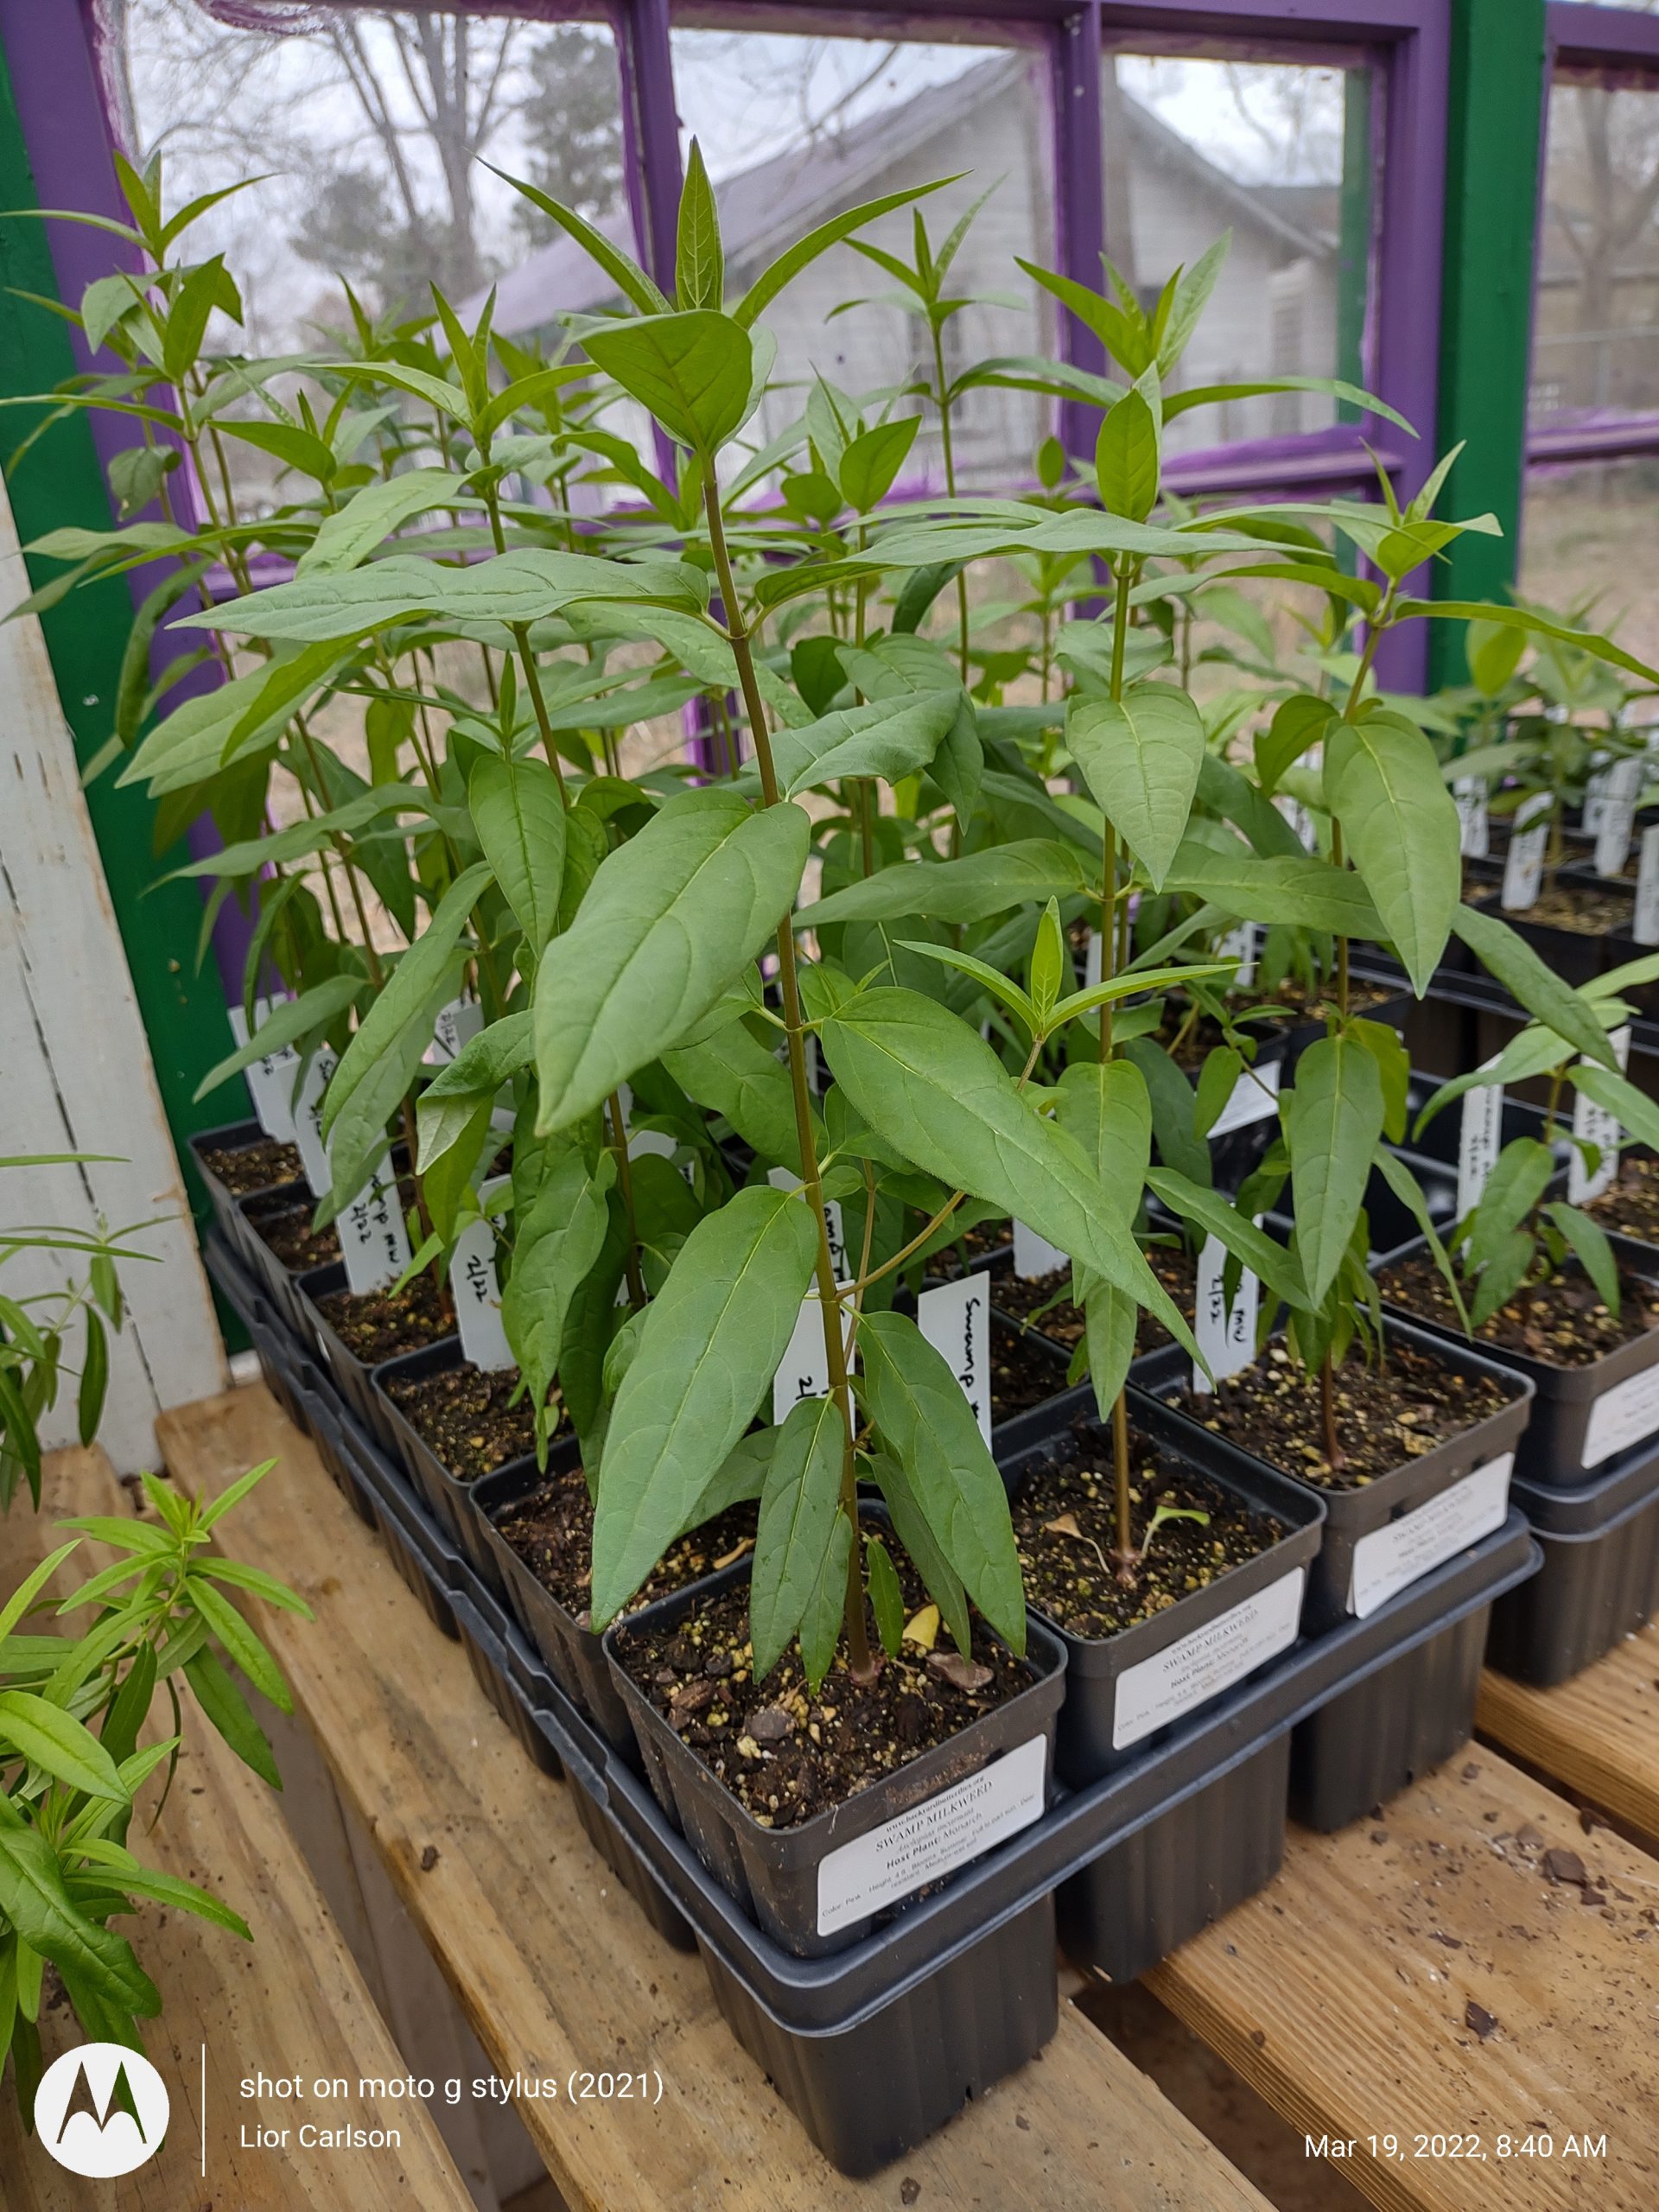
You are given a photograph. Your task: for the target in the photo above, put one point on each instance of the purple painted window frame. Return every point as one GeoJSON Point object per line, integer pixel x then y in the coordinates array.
{"type": "Point", "coordinates": [1623, 50]}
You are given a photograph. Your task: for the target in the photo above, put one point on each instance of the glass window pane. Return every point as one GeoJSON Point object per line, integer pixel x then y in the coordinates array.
{"type": "Point", "coordinates": [1590, 541]}
{"type": "Point", "coordinates": [793, 129]}
{"type": "Point", "coordinates": [1282, 155]}
{"type": "Point", "coordinates": [1596, 336]}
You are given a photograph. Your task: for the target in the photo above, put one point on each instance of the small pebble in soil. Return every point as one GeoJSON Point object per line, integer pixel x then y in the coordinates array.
{"type": "Point", "coordinates": [468, 1415]}
{"type": "Point", "coordinates": [551, 1529]}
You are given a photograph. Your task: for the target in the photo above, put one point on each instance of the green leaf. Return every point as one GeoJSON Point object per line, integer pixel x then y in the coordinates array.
{"type": "Point", "coordinates": [733, 1074]}
{"type": "Point", "coordinates": [1387, 1047]}
{"type": "Point", "coordinates": [1049, 964]}
{"type": "Point", "coordinates": [1588, 1240]}
{"type": "Point", "coordinates": [919, 1409]}
{"type": "Point", "coordinates": [1520, 1176]}
{"type": "Point", "coordinates": [1298, 723]}
{"type": "Point", "coordinates": [890, 738]}
{"type": "Point", "coordinates": [668, 921]}
{"type": "Point", "coordinates": [34, 1898]}
{"type": "Point", "coordinates": [240, 1640]}
{"type": "Point", "coordinates": [228, 1709]}
{"type": "Point", "coordinates": [692, 371]}
{"type": "Point", "coordinates": [16, 1606]}
{"type": "Point", "coordinates": [799, 1506]}
{"type": "Point", "coordinates": [789, 263]}
{"type": "Point", "coordinates": [627, 277]}
{"type": "Point", "coordinates": [1106, 1107]}
{"type": "Point", "coordinates": [1140, 760]}
{"type": "Point", "coordinates": [699, 263]}
{"type": "Point", "coordinates": [1217, 1080]}
{"type": "Point", "coordinates": [1264, 1255]}
{"type": "Point", "coordinates": [1507, 955]}
{"type": "Point", "coordinates": [255, 1582]}
{"type": "Point", "coordinates": [710, 1347]}
{"type": "Point", "coordinates": [191, 744]}
{"type": "Point", "coordinates": [1382, 783]}
{"type": "Point", "coordinates": [347, 537]}
{"type": "Point", "coordinates": [1110, 1322]}
{"type": "Point", "coordinates": [1405, 1187]}
{"type": "Point", "coordinates": [1537, 626]}
{"type": "Point", "coordinates": [1305, 892]}
{"type": "Point", "coordinates": [289, 1021]}
{"type": "Point", "coordinates": [163, 1889]}
{"type": "Point", "coordinates": [1334, 1120]}
{"type": "Point", "coordinates": [1633, 1110]}
{"type": "Point", "coordinates": [826, 1607]}
{"type": "Point", "coordinates": [59, 1745]}
{"type": "Point", "coordinates": [559, 1239]}
{"type": "Point", "coordinates": [519, 813]}
{"type": "Point", "coordinates": [741, 1476]}
{"type": "Point", "coordinates": [872, 460]}
{"type": "Point", "coordinates": [1126, 458]}
{"type": "Point", "coordinates": [887, 1598]}
{"type": "Point", "coordinates": [940, 1579]}
{"type": "Point", "coordinates": [1503, 1275]}
{"type": "Point", "coordinates": [966, 890]}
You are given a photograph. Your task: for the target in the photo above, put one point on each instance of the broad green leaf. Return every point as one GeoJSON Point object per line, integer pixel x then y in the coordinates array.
{"type": "Point", "coordinates": [890, 738]}
{"type": "Point", "coordinates": [1109, 1323]}
{"type": "Point", "coordinates": [1308, 893]}
{"type": "Point", "coordinates": [34, 1898]}
{"type": "Point", "coordinates": [1298, 723]}
{"type": "Point", "coordinates": [1506, 955]}
{"type": "Point", "coordinates": [692, 371]}
{"type": "Point", "coordinates": [1334, 1120]}
{"type": "Point", "coordinates": [1180, 1145]}
{"type": "Point", "coordinates": [519, 813]}
{"type": "Point", "coordinates": [1217, 1217]}
{"type": "Point", "coordinates": [289, 1020]}
{"type": "Point", "coordinates": [189, 745]}
{"type": "Point", "coordinates": [710, 1344]}
{"type": "Point", "coordinates": [1382, 783]}
{"type": "Point", "coordinates": [1140, 758]}
{"type": "Point", "coordinates": [826, 1607]}
{"type": "Point", "coordinates": [668, 921]}
{"type": "Point", "coordinates": [1501, 1276]}
{"type": "Point", "coordinates": [1387, 1047]}
{"type": "Point", "coordinates": [966, 890]}
{"type": "Point", "coordinates": [59, 1745]}
{"type": "Point", "coordinates": [1538, 626]}
{"type": "Point", "coordinates": [741, 1476]}
{"type": "Point", "coordinates": [445, 1109]}
{"type": "Point", "coordinates": [347, 537]}
{"type": "Point", "coordinates": [733, 1074]}
{"type": "Point", "coordinates": [919, 1411]}
{"type": "Point", "coordinates": [1105, 1106]}
{"type": "Point", "coordinates": [699, 263]}
{"type": "Point", "coordinates": [556, 1243]}
{"type": "Point", "coordinates": [1126, 458]}
{"type": "Point", "coordinates": [1587, 1240]}
{"type": "Point", "coordinates": [798, 1507]}
{"type": "Point", "coordinates": [872, 460]}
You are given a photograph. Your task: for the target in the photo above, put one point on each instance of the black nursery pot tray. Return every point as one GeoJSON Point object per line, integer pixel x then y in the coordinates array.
{"type": "Point", "coordinates": [1578, 956]}
{"type": "Point", "coordinates": [244, 1137]}
{"type": "Point", "coordinates": [1582, 1417]}
{"type": "Point", "coordinates": [426, 1560]}
{"type": "Point", "coordinates": [355, 1379]}
{"type": "Point", "coordinates": [1381, 1538]}
{"type": "Point", "coordinates": [448, 1495]}
{"type": "Point", "coordinates": [1599, 1581]}
{"type": "Point", "coordinates": [820, 1886]}
{"type": "Point", "coordinates": [1127, 1692]}
{"type": "Point", "coordinates": [572, 1654]}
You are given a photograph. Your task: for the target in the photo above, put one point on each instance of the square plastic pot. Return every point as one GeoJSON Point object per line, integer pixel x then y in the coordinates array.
{"type": "Point", "coordinates": [448, 1496]}
{"type": "Point", "coordinates": [232, 1136]}
{"type": "Point", "coordinates": [1582, 1417]}
{"type": "Point", "coordinates": [774, 1873]}
{"type": "Point", "coordinates": [1599, 1581]}
{"type": "Point", "coordinates": [1173, 1664]}
{"type": "Point", "coordinates": [354, 1381]}
{"type": "Point", "coordinates": [1381, 1536]}
{"type": "Point", "coordinates": [280, 1353]}
{"type": "Point", "coordinates": [427, 1562]}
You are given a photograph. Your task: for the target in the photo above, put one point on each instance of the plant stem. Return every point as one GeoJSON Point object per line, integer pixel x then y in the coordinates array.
{"type": "Point", "coordinates": [950, 487]}
{"type": "Point", "coordinates": [625, 1184]}
{"type": "Point", "coordinates": [533, 685]}
{"type": "Point", "coordinates": [1127, 1557]}
{"type": "Point", "coordinates": [862, 1663]}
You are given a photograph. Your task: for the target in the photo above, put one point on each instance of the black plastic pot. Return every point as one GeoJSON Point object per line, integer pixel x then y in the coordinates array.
{"type": "Point", "coordinates": [1582, 1417]}
{"type": "Point", "coordinates": [1440, 1140]}
{"type": "Point", "coordinates": [231, 1136]}
{"type": "Point", "coordinates": [1600, 1578]}
{"type": "Point", "coordinates": [776, 1874]}
{"type": "Point", "coordinates": [1125, 1693]}
{"type": "Point", "coordinates": [1403, 1523]}
{"type": "Point", "coordinates": [354, 1380]}
{"type": "Point", "coordinates": [282, 1363]}
{"type": "Point", "coordinates": [448, 1496]}
{"type": "Point", "coordinates": [429, 1565]}
{"type": "Point", "coordinates": [573, 1654]}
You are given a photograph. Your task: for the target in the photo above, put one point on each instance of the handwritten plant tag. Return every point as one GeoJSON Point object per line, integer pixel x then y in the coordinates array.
{"type": "Point", "coordinates": [373, 1239]}
{"type": "Point", "coordinates": [1479, 1142]}
{"type": "Point", "coordinates": [1474, 826]}
{"type": "Point", "coordinates": [1240, 944]}
{"type": "Point", "coordinates": [1226, 1335]}
{"type": "Point", "coordinates": [1033, 1256]}
{"type": "Point", "coordinates": [271, 1080]}
{"type": "Point", "coordinates": [456, 1025]}
{"type": "Point", "coordinates": [1593, 1124]}
{"type": "Point", "coordinates": [476, 1288]}
{"type": "Point", "coordinates": [804, 1371]}
{"type": "Point", "coordinates": [781, 1179]}
{"type": "Point", "coordinates": [1644, 927]}
{"type": "Point", "coordinates": [1618, 818]}
{"type": "Point", "coordinates": [955, 1318]}
{"type": "Point", "coordinates": [1524, 870]}
{"type": "Point", "coordinates": [1091, 961]}
{"type": "Point", "coordinates": [308, 1120]}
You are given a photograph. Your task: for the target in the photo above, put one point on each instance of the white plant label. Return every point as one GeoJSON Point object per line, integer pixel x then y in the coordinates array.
{"type": "Point", "coordinates": [834, 1224]}
{"type": "Point", "coordinates": [1474, 828]}
{"type": "Point", "coordinates": [1593, 1124]}
{"type": "Point", "coordinates": [1210, 1659]}
{"type": "Point", "coordinates": [1033, 1256]}
{"type": "Point", "coordinates": [456, 1025]}
{"type": "Point", "coordinates": [1625, 1415]}
{"type": "Point", "coordinates": [271, 1080]}
{"type": "Point", "coordinates": [1595, 795]}
{"type": "Point", "coordinates": [1255, 1096]}
{"type": "Point", "coordinates": [1618, 818]}
{"type": "Point", "coordinates": [955, 1318]}
{"type": "Point", "coordinates": [307, 1116]}
{"type": "Point", "coordinates": [1301, 821]}
{"type": "Point", "coordinates": [1091, 961]}
{"type": "Point", "coordinates": [1390, 1558]}
{"type": "Point", "coordinates": [373, 1239]}
{"type": "Point", "coordinates": [476, 1288]}
{"type": "Point", "coordinates": [934, 1838]}
{"type": "Point", "coordinates": [1240, 944]}
{"type": "Point", "coordinates": [1226, 1335]}
{"type": "Point", "coordinates": [1479, 1142]}
{"type": "Point", "coordinates": [805, 1372]}
{"type": "Point", "coordinates": [814, 1077]}
{"type": "Point", "coordinates": [1644, 927]}
{"type": "Point", "coordinates": [1524, 870]}
{"type": "Point", "coordinates": [660, 1142]}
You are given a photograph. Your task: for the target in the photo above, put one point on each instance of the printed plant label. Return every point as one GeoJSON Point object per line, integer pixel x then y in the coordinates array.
{"type": "Point", "coordinates": [955, 1318]}
{"type": "Point", "coordinates": [270, 1081]}
{"type": "Point", "coordinates": [1209, 1661]}
{"type": "Point", "coordinates": [1644, 928]}
{"type": "Point", "coordinates": [1625, 1415]}
{"type": "Point", "coordinates": [1479, 1142]}
{"type": "Point", "coordinates": [1524, 870]}
{"type": "Point", "coordinates": [934, 1838]}
{"type": "Point", "coordinates": [1618, 818]}
{"type": "Point", "coordinates": [1390, 1558]}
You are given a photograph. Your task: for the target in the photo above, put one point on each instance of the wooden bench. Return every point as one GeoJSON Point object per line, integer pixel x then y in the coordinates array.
{"type": "Point", "coordinates": [556, 1969]}
{"type": "Point", "coordinates": [291, 1999]}
{"type": "Point", "coordinates": [1597, 1735]}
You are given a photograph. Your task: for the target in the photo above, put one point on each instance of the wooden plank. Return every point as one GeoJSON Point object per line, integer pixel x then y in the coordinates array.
{"type": "Point", "coordinates": [557, 1970]}
{"type": "Point", "coordinates": [1423, 1974]}
{"type": "Point", "coordinates": [1598, 1734]}
{"type": "Point", "coordinates": [292, 1999]}
{"type": "Point", "coordinates": [75, 1071]}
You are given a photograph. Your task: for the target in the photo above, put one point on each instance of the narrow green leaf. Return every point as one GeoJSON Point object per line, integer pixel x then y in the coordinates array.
{"type": "Point", "coordinates": [1383, 785]}
{"type": "Point", "coordinates": [59, 1745]}
{"type": "Point", "coordinates": [799, 1506]}
{"type": "Point", "coordinates": [826, 1607]}
{"type": "Point", "coordinates": [699, 263]}
{"type": "Point", "coordinates": [1507, 955]}
{"type": "Point", "coordinates": [519, 813]}
{"type": "Point", "coordinates": [1587, 1239]}
{"type": "Point", "coordinates": [1334, 1120]}
{"type": "Point", "coordinates": [887, 1598]}
{"type": "Point", "coordinates": [969, 889]}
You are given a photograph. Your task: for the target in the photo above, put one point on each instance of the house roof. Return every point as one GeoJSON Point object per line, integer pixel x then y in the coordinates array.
{"type": "Point", "coordinates": [763, 207]}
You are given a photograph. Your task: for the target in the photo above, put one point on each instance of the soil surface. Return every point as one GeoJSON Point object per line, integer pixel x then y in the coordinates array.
{"type": "Point", "coordinates": [1562, 1322]}
{"type": "Point", "coordinates": [1386, 1415]}
{"type": "Point", "coordinates": [552, 1531]}
{"type": "Point", "coordinates": [1631, 1206]}
{"type": "Point", "coordinates": [378, 1327]}
{"type": "Point", "coordinates": [287, 1232]}
{"type": "Point", "coordinates": [257, 1167]}
{"type": "Point", "coordinates": [1023, 1374]}
{"type": "Point", "coordinates": [1579, 907]}
{"type": "Point", "coordinates": [1026, 1298]}
{"type": "Point", "coordinates": [1065, 1521]}
{"type": "Point", "coordinates": [464, 1414]}
{"type": "Point", "coordinates": [785, 1755]}
{"type": "Point", "coordinates": [983, 1242]}
{"type": "Point", "coordinates": [1178, 1272]}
